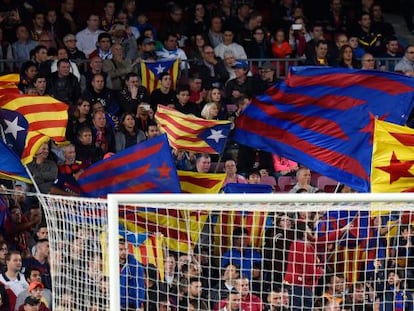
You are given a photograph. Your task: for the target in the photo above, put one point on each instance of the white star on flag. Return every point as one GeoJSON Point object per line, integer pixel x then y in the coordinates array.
{"type": "Point", "coordinates": [159, 69]}
{"type": "Point", "coordinates": [13, 128]}
{"type": "Point", "coordinates": [216, 135]}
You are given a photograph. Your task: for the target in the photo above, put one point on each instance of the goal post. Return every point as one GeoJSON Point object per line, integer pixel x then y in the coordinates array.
{"type": "Point", "coordinates": [191, 224]}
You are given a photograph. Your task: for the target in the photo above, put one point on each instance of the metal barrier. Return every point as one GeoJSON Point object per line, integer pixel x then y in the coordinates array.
{"type": "Point", "coordinates": [281, 65]}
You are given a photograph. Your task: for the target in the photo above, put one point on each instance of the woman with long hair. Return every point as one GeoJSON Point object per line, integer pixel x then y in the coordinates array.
{"type": "Point", "coordinates": [80, 117]}
{"type": "Point", "coordinates": [346, 57]}
{"type": "Point", "coordinates": [214, 96]}
{"type": "Point", "coordinates": [128, 135]}
{"type": "Point", "coordinates": [27, 74]}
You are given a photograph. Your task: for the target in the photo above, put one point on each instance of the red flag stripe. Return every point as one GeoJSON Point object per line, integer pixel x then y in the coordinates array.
{"type": "Point", "coordinates": [201, 182]}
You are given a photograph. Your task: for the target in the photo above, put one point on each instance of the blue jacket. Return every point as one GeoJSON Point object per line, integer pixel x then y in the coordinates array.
{"type": "Point", "coordinates": [132, 284]}
{"type": "Point", "coordinates": [244, 261]}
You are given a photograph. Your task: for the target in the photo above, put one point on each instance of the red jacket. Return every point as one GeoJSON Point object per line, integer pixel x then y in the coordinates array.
{"type": "Point", "coordinates": [248, 303]}
{"type": "Point", "coordinates": [303, 265]}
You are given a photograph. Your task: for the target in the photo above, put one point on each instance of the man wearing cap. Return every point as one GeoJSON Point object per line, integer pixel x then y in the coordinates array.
{"type": "Point", "coordinates": [147, 51]}
{"type": "Point", "coordinates": [35, 299]}
{"type": "Point", "coordinates": [267, 75]}
{"type": "Point", "coordinates": [241, 84]}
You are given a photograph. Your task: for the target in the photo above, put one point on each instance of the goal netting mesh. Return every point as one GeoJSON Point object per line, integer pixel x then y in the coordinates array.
{"type": "Point", "coordinates": [238, 252]}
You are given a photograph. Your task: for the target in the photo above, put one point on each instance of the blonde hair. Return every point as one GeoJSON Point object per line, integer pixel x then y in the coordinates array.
{"type": "Point", "coordinates": [206, 111]}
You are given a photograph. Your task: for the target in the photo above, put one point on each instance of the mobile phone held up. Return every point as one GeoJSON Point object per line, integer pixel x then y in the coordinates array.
{"type": "Point", "coordinates": [297, 26]}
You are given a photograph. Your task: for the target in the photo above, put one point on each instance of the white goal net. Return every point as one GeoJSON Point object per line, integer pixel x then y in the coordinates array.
{"type": "Point", "coordinates": [232, 252]}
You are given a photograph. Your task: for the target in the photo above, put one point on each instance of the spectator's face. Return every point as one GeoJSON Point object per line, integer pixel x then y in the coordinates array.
{"type": "Point", "coordinates": [321, 50]}
{"type": "Point", "coordinates": [69, 5]}
{"type": "Point", "coordinates": [199, 10]}
{"type": "Point", "coordinates": [280, 37]}
{"type": "Point", "coordinates": [254, 179]}
{"type": "Point", "coordinates": [215, 95]}
{"type": "Point", "coordinates": [132, 82]}
{"type": "Point", "coordinates": [336, 5]}
{"type": "Point", "coordinates": [28, 307]}
{"type": "Point", "coordinates": [359, 295]}
{"type": "Point", "coordinates": [234, 302]}
{"type": "Point", "coordinates": [166, 82]}
{"type": "Point", "coordinates": [3, 252]}
{"type": "Point", "coordinates": [392, 46]}
{"type": "Point", "coordinates": [42, 233]}
{"type": "Point", "coordinates": [203, 165]}
{"type": "Point", "coordinates": [170, 264]}
{"type": "Point", "coordinates": [230, 167]}
{"type": "Point", "coordinates": [304, 177]}
{"type": "Point", "coordinates": [231, 273]}
{"type": "Point", "coordinates": [51, 17]}
{"type": "Point", "coordinates": [62, 54]}
{"type": "Point", "coordinates": [171, 43]}
{"type": "Point", "coordinates": [93, 23]}
{"type": "Point", "coordinates": [229, 60]}
{"type": "Point", "coordinates": [365, 21]}
{"type": "Point", "coordinates": [35, 276]}
{"type": "Point", "coordinates": [99, 120]}
{"type": "Point", "coordinates": [39, 21]}
{"type": "Point", "coordinates": [105, 44]}
{"type": "Point", "coordinates": [70, 43]}
{"type": "Point", "coordinates": [110, 8]}
{"type": "Point", "coordinates": [376, 12]}
{"type": "Point", "coordinates": [317, 32]}
{"type": "Point", "coordinates": [183, 97]}
{"type": "Point", "coordinates": [123, 252]}
{"type": "Point", "coordinates": [227, 37]}
{"type": "Point", "coordinates": [195, 85]}
{"type": "Point", "coordinates": [341, 41]}
{"type": "Point", "coordinates": [31, 72]}
{"type": "Point", "coordinates": [122, 18]}
{"type": "Point", "coordinates": [368, 62]}
{"type": "Point", "coordinates": [98, 83]}
{"type": "Point", "coordinates": [339, 285]}
{"type": "Point", "coordinates": [195, 289]}
{"type": "Point", "coordinates": [177, 15]}
{"type": "Point", "coordinates": [15, 263]}
{"type": "Point", "coordinates": [129, 122]}
{"type": "Point", "coordinates": [275, 299]}
{"type": "Point", "coordinates": [256, 22]}
{"type": "Point", "coordinates": [86, 138]}
{"type": "Point", "coordinates": [64, 69]}
{"type": "Point", "coordinates": [242, 286]}
{"type": "Point", "coordinates": [410, 54]}
{"type": "Point", "coordinates": [70, 155]}
{"type": "Point", "coordinates": [22, 33]}
{"type": "Point", "coordinates": [240, 72]}
{"type": "Point", "coordinates": [84, 108]}
{"type": "Point", "coordinates": [153, 131]}
{"type": "Point", "coordinates": [37, 292]}
{"type": "Point", "coordinates": [199, 41]}
{"type": "Point", "coordinates": [353, 42]}
{"type": "Point", "coordinates": [348, 53]}
{"type": "Point", "coordinates": [41, 56]}
{"type": "Point", "coordinates": [216, 24]}
{"type": "Point", "coordinates": [285, 222]}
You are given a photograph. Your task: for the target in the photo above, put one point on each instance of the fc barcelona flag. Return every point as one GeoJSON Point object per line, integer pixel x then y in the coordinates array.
{"type": "Point", "coordinates": [324, 119]}
{"type": "Point", "coordinates": [150, 73]}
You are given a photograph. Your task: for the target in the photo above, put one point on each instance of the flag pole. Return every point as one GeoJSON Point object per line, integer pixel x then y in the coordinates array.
{"type": "Point", "coordinates": [38, 193]}
{"type": "Point", "coordinates": [221, 155]}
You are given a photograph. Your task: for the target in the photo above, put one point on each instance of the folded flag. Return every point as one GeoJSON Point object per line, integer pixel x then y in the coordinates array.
{"type": "Point", "coordinates": [186, 132]}
{"type": "Point", "coordinates": [392, 158]}
{"type": "Point", "coordinates": [324, 119]}
{"type": "Point", "coordinates": [147, 167]}
{"type": "Point", "coordinates": [193, 182]}
{"type": "Point", "coordinates": [150, 72]}
{"type": "Point", "coordinates": [11, 166]}
{"type": "Point", "coordinates": [30, 121]}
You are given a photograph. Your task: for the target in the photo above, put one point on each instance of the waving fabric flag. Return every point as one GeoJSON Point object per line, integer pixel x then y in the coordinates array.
{"type": "Point", "coordinates": [190, 133]}
{"type": "Point", "coordinates": [193, 182]}
{"type": "Point", "coordinates": [181, 229]}
{"type": "Point", "coordinates": [30, 121]}
{"type": "Point", "coordinates": [324, 119]}
{"type": "Point", "coordinates": [147, 167]}
{"type": "Point", "coordinates": [8, 83]}
{"type": "Point", "coordinates": [150, 73]}
{"type": "Point", "coordinates": [11, 166]}
{"type": "Point", "coordinates": [392, 158]}
{"type": "Point", "coordinates": [146, 248]}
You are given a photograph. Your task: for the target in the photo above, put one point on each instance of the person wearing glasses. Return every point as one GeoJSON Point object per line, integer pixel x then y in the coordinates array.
{"type": "Point", "coordinates": [368, 62]}
{"type": "Point", "coordinates": [406, 64]}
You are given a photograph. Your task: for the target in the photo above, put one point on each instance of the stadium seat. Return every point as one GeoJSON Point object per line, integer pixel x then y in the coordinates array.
{"type": "Point", "coordinates": [325, 181]}
{"type": "Point", "coordinates": [268, 180]}
{"type": "Point", "coordinates": [284, 183]}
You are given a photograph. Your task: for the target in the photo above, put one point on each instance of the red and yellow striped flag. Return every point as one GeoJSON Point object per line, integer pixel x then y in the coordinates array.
{"type": "Point", "coordinates": [227, 221]}
{"type": "Point", "coordinates": [187, 132]}
{"type": "Point", "coordinates": [8, 83]}
{"type": "Point", "coordinates": [392, 158]}
{"type": "Point", "coordinates": [150, 73]}
{"type": "Point", "coordinates": [30, 121]}
{"type": "Point", "coordinates": [193, 182]}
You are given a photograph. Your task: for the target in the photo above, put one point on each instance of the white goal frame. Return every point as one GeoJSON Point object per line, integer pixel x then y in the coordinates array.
{"type": "Point", "coordinates": [114, 200]}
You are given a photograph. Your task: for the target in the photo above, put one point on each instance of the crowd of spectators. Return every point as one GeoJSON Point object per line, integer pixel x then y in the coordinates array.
{"type": "Point", "coordinates": [227, 51]}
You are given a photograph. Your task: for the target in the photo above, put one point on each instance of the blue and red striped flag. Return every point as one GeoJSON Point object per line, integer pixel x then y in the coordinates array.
{"type": "Point", "coordinates": [147, 167]}
{"type": "Point", "coordinates": [323, 118]}
{"type": "Point", "coordinates": [150, 72]}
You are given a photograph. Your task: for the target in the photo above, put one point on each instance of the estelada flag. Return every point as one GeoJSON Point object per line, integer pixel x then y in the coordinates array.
{"type": "Point", "coordinates": [392, 158]}
{"type": "Point", "coordinates": [150, 72]}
